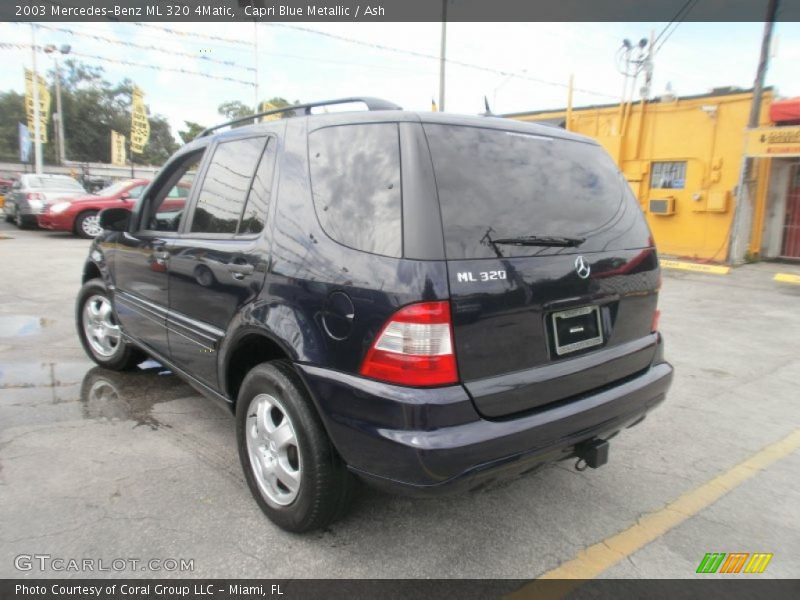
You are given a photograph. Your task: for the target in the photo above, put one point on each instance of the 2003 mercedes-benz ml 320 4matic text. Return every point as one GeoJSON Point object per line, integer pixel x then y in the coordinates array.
{"type": "Point", "coordinates": [425, 301]}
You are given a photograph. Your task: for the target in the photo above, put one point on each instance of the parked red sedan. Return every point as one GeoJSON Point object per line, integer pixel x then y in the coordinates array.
{"type": "Point", "coordinates": [79, 215]}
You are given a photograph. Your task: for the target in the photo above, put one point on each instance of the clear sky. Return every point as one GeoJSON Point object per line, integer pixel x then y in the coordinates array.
{"type": "Point", "coordinates": [305, 65]}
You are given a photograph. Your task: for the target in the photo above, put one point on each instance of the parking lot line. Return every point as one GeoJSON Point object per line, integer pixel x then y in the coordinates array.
{"type": "Point", "coordinates": [595, 559]}
{"type": "Point", "coordinates": [690, 266]}
{"type": "Point", "coordinates": [787, 278]}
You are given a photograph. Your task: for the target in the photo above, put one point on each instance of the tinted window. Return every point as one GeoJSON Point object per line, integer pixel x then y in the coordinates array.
{"type": "Point", "coordinates": [136, 191]}
{"type": "Point", "coordinates": [355, 178]}
{"type": "Point", "coordinates": [225, 187]}
{"type": "Point", "coordinates": [497, 184]}
{"type": "Point", "coordinates": [164, 207]}
{"type": "Point", "coordinates": [113, 189]}
{"type": "Point", "coordinates": [255, 211]}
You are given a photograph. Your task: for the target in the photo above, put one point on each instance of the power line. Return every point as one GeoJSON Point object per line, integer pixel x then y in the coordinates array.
{"type": "Point", "coordinates": [679, 17]}
{"type": "Point", "coordinates": [9, 46]}
{"type": "Point", "coordinates": [227, 63]}
{"type": "Point", "coordinates": [436, 58]}
{"type": "Point", "coordinates": [231, 63]}
{"type": "Point", "coordinates": [192, 34]}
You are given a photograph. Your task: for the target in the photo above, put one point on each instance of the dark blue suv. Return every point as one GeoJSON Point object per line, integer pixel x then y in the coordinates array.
{"type": "Point", "coordinates": [424, 301]}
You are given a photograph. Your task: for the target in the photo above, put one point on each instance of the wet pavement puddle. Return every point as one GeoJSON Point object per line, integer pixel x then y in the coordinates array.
{"type": "Point", "coordinates": [21, 325]}
{"type": "Point", "coordinates": [102, 394]}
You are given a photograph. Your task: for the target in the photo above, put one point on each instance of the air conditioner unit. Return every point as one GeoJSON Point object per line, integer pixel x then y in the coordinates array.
{"type": "Point", "coordinates": [662, 206]}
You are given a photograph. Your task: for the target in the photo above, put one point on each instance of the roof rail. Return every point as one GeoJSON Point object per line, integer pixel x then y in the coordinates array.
{"type": "Point", "coordinates": [371, 103]}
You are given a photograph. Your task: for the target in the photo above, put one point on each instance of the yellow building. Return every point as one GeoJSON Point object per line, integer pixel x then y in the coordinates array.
{"type": "Point", "coordinates": [682, 158]}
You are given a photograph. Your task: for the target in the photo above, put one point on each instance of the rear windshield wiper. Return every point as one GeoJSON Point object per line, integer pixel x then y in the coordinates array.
{"type": "Point", "coordinates": [541, 240]}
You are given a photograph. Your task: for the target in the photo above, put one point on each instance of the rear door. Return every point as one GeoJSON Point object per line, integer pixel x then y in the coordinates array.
{"type": "Point", "coordinates": [218, 262]}
{"type": "Point", "coordinates": [552, 271]}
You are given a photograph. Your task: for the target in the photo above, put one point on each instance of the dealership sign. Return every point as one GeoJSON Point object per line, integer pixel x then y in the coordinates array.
{"type": "Point", "coordinates": [44, 104]}
{"type": "Point", "coordinates": [773, 141]}
{"type": "Point", "coordinates": [140, 126]}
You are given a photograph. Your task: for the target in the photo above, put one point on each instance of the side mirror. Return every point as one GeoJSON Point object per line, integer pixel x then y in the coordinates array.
{"type": "Point", "coordinates": [124, 196]}
{"type": "Point", "coordinates": [115, 219]}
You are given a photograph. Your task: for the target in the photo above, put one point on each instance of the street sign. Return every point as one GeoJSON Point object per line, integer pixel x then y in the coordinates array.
{"type": "Point", "coordinates": [24, 143]}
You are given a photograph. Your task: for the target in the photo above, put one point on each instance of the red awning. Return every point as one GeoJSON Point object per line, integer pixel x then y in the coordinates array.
{"type": "Point", "coordinates": [785, 111]}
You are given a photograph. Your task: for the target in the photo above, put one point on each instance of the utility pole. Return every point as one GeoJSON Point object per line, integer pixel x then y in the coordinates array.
{"type": "Point", "coordinates": [255, 57]}
{"type": "Point", "coordinates": [37, 137]}
{"type": "Point", "coordinates": [59, 116]}
{"type": "Point", "coordinates": [743, 212]}
{"type": "Point", "coordinates": [442, 56]}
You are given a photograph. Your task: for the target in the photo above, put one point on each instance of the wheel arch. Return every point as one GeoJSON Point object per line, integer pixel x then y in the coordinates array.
{"type": "Point", "coordinates": [91, 271]}
{"type": "Point", "coordinates": [248, 348]}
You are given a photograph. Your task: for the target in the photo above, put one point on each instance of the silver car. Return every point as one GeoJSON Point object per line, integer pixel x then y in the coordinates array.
{"type": "Point", "coordinates": [30, 195]}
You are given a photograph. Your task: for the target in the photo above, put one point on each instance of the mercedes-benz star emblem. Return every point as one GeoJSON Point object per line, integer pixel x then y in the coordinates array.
{"type": "Point", "coordinates": [582, 267]}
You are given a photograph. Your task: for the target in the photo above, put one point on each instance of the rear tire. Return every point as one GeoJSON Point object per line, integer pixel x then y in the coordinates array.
{"type": "Point", "coordinates": [100, 334]}
{"type": "Point", "coordinates": [87, 225]}
{"type": "Point", "coordinates": [291, 467]}
{"type": "Point", "coordinates": [21, 221]}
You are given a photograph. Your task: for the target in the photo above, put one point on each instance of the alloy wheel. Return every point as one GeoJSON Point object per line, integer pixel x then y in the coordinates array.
{"type": "Point", "coordinates": [90, 225]}
{"type": "Point", "coordinates": [100, 327]}
{"type": "Point", "coordinates": [273, 450]}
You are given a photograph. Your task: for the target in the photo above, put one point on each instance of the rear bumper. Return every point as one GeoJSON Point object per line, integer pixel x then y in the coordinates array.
{"type": "Point", "coordinates": [28, 210]}
{"type": "Point", "coordinates": [431, 441]}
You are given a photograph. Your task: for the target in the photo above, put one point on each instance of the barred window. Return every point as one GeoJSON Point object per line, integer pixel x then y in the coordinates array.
{"type": "Point", "coordinates": [668, 175]}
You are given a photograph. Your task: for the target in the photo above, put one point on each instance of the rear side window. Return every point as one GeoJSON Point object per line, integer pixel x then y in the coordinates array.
{"type": "Point", "coordinates": [496, 184]}
{"type": "Point", "coordinates": [355, 179]}
{"type": "Point", "coordinates": [226, 185]}
{"type": "Point", "coordinates": [260, 197]}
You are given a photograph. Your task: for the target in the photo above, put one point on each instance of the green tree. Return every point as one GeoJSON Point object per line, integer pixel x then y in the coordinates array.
{"type": "Point", "coordinates": [92, 108]}
{"type": "Point", "coordinates": [236, 109]}
{"type": "Point", "coordinates": [12, 111]}
{"type": "Point", "coordinates": [192, 131]}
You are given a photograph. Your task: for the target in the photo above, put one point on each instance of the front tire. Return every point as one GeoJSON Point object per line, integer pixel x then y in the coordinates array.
{"type": "Point", "coordinates": [87, 225]}
{"type": "Point", "coordinates": [99, 331]}
{"type": "Point", "coordinates": [291, 467]}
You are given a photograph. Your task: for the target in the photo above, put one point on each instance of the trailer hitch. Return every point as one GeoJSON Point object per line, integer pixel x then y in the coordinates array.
{"type": "Point", "coordinates": [592, 453]}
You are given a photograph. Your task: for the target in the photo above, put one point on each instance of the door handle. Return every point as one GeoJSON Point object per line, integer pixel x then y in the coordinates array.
{"type": "Point", "coordinates": [240, 270]}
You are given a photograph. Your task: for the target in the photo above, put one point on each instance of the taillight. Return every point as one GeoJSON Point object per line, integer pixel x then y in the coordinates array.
{"type": "Point", "coordinates": [654, 324]}
{"type": "Point", "coordinates": [415, 347]}
{"type": "Point", "coordinates": [34, 196]}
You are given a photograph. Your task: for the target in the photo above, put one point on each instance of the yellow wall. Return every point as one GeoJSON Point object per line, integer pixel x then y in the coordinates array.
{"type": "Point", "coordinates": [710, 140]}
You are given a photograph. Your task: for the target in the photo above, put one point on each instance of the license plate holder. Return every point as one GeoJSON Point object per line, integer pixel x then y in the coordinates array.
{"type": "Point", "coordinates": [577, 329]}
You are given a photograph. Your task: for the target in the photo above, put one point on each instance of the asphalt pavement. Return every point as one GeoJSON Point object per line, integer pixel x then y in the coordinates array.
{"type": "Point", "coordinates": [101, 465]}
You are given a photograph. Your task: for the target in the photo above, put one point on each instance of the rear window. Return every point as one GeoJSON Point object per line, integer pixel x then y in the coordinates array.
{"type": "Point", "coordinates": [497, 184]}
{"type": "Point", "coordinates": [355, 179]}
{"type": "Point", "coordinates": [54, 183]}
